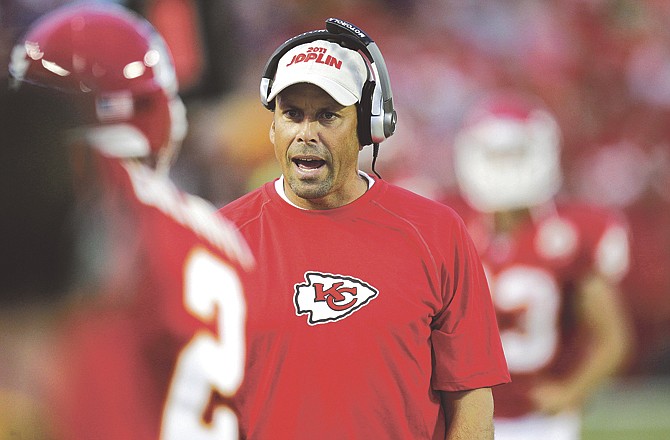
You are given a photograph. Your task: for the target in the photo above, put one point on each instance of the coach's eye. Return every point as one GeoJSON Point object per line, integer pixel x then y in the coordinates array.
{"type": "Point", "coordinates": [292, 114]}
{"type": "Point", "coordinates": [328, 116]}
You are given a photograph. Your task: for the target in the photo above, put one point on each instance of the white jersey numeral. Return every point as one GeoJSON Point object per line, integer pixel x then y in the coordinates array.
{"type": "Point", "coordinates": [208, 362]}
{"type": "Point", "coordinates": [533, 294]}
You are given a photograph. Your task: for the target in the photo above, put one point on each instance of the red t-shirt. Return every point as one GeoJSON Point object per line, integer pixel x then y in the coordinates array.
{"type": "Point", "coordinates": [358, 316]}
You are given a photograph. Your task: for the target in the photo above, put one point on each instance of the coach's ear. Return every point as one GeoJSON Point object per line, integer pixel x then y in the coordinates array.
{"type": "Point", "coordinates": [272, 132]}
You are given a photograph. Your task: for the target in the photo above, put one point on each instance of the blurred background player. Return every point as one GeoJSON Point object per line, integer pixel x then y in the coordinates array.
{"type": "Point", "coordinates": [151, 341]}
{"type": "Point", "coordinates": [553, 267]}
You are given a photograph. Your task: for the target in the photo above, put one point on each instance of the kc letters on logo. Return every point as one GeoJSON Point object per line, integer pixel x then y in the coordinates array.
{"type": "Point", "coordinates": [326, 297]}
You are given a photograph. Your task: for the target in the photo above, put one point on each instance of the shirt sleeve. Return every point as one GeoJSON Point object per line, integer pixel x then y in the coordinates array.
{"type": "Point", "coordinates": [467, 351]}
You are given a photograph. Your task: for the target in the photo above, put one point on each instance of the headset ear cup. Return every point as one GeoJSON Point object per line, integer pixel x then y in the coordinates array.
{"type": "Point", "coordinates": [365, 114]}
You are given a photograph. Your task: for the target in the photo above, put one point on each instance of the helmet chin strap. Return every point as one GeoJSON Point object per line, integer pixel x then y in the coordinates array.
{"type": "Point", "coordinates": [166, 157]}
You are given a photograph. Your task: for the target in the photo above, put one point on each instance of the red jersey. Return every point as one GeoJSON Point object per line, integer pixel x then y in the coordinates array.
{"type": "Point", "coordinates": [149, 357]}
{"type": "Point", "coordinates": [533, 273]}
{"type": "Point", "coordinates": [359, 316]}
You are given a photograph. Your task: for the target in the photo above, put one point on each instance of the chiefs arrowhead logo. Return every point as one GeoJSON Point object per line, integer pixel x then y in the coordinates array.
{"type": "Point", "coordinates": [326, 297]}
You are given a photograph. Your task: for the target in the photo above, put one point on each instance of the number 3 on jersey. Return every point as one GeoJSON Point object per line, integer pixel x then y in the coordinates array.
{"type": "Point", "coordinates": [208, 362]}
{"type": "Point", "coordinates": [534, 294]}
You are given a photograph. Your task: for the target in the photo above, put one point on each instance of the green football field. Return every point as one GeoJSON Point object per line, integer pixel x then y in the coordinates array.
{"type": "Point", "coordinates": [630, 409]}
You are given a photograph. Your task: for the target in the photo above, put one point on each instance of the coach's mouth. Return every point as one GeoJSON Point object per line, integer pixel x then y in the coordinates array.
{"type": "Point", "coordinates": [308, 163]}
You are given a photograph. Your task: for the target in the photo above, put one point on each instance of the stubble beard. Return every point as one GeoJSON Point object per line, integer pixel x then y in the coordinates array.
{"type": "Point", "coordinates": [309, 190]}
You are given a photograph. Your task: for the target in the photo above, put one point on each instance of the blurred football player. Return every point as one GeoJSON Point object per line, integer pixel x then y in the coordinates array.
{"type": "Point", "coordinates": [553, 267]}
{"type": "Point", "coordinates": [153, 343]}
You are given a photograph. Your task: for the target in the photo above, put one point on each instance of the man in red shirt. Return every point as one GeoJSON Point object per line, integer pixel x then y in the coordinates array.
{"type": "Point", "coordinates": [370, 316]}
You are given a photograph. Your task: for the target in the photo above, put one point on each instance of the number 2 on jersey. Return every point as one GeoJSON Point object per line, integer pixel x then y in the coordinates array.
{"type": "Point", "coordinates": [208, 362]}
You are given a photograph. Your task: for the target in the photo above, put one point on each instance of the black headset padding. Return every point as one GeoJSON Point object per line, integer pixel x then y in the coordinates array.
{"type": "Point", "coordinates": [364, 111]}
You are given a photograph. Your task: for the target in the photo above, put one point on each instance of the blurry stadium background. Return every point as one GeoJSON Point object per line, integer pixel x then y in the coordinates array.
{"type": "Point", "coordinates": [602, 66]}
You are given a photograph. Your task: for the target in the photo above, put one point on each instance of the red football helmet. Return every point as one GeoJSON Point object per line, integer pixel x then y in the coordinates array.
{"type": "Point", "coordinates": [507, 155]}
{"type": "Point", "coordinates": [121, 68]}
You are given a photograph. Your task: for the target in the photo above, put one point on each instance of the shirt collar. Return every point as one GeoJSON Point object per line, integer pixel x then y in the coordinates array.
{"type": "Point", "coordinates": [279, 187]}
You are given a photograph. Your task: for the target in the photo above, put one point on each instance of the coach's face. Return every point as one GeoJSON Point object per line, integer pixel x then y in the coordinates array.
{"type": "Point", "coordinates": [317, 146]}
